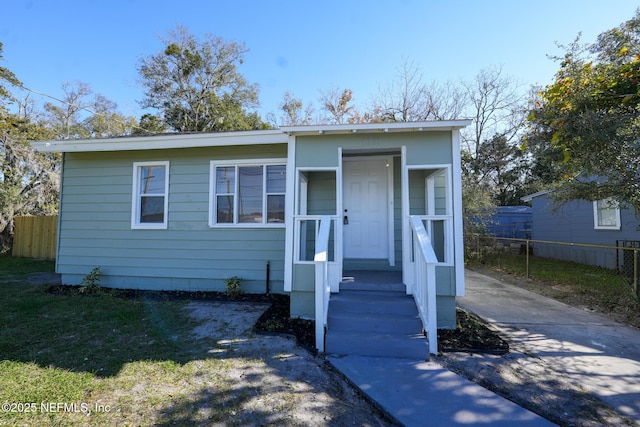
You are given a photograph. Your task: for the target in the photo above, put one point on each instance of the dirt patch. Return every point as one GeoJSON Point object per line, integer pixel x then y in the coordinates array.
{"type": "Point", "coordinates": [289, 385]}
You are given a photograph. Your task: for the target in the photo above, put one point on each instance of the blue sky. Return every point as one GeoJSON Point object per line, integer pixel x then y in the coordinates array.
{"type": "Point", "coordinates": [304, 47]}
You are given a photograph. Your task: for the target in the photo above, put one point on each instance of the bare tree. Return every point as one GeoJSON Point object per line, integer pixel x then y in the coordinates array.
{"type": "Point", "coordinates": [294, 112]}
{"type": "Point", "coordinates": [445, 101]}
{"type": "Point", "coordinates": [496, 105]}
{"type": "Point", "coordinates": [407, 98]}
{"type": "Point", "coordinates": [64, 117]}
{"type": "Point", "coordinates": [403, 99]}
{"type": "Point", "coordinates": [337, 104]}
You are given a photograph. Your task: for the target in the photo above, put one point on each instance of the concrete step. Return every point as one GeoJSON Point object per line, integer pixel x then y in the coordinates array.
{"type": "Point", "coordinates": [412, 346]}
{"type": "Point", "coordinates": [379, 287]}
{"type": "Point", "coordinates": [379, 323]}
{"type": "Point", "coordinates": [372, 303]}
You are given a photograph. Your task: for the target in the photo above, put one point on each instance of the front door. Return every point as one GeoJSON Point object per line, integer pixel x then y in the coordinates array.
{"type": "Point", "coordinates": [365, 204]}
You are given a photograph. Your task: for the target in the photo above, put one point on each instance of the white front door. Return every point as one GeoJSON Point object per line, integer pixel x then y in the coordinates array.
{"type": "Point", "coordinates": [365, 204]}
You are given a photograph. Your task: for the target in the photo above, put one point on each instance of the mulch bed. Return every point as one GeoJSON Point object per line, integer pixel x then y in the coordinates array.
{"type": "Point", "coordinates": [471, 334]}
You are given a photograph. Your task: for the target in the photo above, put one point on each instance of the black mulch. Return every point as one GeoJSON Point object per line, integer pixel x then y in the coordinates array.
{"type": "Point", "coordinates": [471, 334]}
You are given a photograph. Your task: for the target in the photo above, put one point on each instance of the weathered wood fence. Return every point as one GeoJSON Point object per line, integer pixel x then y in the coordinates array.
{"type": "Point", "coordinates": [35, 236]}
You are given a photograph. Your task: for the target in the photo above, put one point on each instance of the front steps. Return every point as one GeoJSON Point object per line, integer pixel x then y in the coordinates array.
{"type": "Point", "coordinates": [373, 316]}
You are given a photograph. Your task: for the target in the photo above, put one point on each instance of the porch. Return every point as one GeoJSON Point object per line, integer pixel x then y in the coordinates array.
{"type": "Point", "coordinates": [374, 199]}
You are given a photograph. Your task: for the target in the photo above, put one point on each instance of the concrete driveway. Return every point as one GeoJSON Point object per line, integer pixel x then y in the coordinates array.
{"type": "Point", "coordinates": [592, 351]}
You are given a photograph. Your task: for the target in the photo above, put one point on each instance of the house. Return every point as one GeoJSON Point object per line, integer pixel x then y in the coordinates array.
{"type": "Point", "coordinates": [600, 222]}
{"type": "Point", "coordinates": [510, 222]}
{"type": "Point", "coordinates": [185, 211]}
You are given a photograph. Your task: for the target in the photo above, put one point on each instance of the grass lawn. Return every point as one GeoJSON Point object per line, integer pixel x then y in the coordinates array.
{"type": "Point", "coordinates": [73, 359]}
{"type": "Point", "coordinates": [589, 286]}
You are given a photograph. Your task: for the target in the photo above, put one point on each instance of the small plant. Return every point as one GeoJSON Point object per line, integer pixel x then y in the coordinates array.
{"type": "Point", "coordinates": [90, 282]}
{"type": "Point", "coordinates": [233, 286]}
{"type": "Point", "coordinates": [273, 325]}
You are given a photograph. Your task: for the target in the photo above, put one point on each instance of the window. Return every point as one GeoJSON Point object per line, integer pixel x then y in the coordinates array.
{"type": "Point", "coordinates": [606, 215]}
{"type": "Point", "coordinates": [150, 195]}
{"type": "Point", "coordinates": [247, 194]}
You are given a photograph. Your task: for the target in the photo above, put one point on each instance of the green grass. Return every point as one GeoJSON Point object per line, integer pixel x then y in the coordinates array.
{"type": "Point", "coordinates": [19, 268]}
{"type": "Point", "coordinates": [72, 348]}
{"type": "Point", "coordinates": [599, 288]}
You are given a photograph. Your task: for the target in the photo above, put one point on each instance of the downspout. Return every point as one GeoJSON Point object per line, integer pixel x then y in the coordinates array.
{"type": "Point", "coordinates": [268, 274]}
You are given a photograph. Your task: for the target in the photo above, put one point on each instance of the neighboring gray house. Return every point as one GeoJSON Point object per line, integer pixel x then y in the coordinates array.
{"type": "Point", "coordinates": [186, 211]}
{"type": "Point", "coordinates": [595, 223]}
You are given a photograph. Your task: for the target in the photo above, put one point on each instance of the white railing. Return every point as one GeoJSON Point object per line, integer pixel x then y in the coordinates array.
{"type": "Point", "coordinates": [323, 289]}
{"type": "Point", "coordinates": [424, 291]}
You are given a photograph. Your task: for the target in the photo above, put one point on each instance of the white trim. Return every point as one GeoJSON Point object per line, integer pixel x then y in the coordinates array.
{"type": "Point", "coordinates": [408, 272]}
{"type": "Point", "coordinates": [388, 202]}
{"type": "Point", "coordinates": [135, 197]}
{"type": "Point", "coordinates": [391, 222]}
{"type": "Point", "coordinates": [457, 213]}
{"type": "Point", "coordinates": [339, 257]}
{"type": "Point", "coordinates": [301, 202]}
{"type": "Point", "coordinates": [596, 224]}
{"type": "Point", "coordinates": [222, 139]}
{"type": "Point", "coordinates": [378, 127]}
{"type": "Point", "coordinates": [213, 164]}
{"type": "Point", "coordinates": [176, 140]}
{"type": "Point", "coordinates": [289, 204]}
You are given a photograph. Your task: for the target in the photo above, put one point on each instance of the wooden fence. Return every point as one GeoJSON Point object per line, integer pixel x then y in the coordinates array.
{"type": "Point", "coordinates": [35, 236]}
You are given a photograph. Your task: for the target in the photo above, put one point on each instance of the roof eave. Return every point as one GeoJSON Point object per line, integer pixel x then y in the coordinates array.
{"type": "Point", "coordinates": [221, 139]}
{"type": "Point", "coordinates": [440, 125]}
{"type": "Point", "coordinates": [177, 140]}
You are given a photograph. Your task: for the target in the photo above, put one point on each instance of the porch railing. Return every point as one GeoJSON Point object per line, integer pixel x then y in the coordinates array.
{"type": "Point", "coordinates": [424, 291]}
{"type": "Point", "coordinates": [323, 289]}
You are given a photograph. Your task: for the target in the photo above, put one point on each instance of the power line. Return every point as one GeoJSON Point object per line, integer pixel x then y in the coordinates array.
{"type": "Point", "coordinates": [81, 108]}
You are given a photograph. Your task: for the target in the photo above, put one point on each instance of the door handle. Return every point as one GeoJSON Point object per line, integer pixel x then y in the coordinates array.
{"type": "Point", "coordinates": [345, 220]}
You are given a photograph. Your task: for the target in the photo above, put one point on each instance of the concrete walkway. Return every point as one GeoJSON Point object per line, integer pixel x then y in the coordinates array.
{"type": "Point", "coordinates": [590, 350]}
{"type": "Point", "coordinates": [414, 391]}
{"type": "Point", "coordinates": [424, 394]}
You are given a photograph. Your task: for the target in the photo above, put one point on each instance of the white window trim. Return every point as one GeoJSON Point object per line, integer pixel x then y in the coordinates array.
{"type": "Point", "coordinates": [597, 226]}
{"type": "Point", "coordinates": [135, 201]}
{"type": "Point", "coordinates": [212, 192]}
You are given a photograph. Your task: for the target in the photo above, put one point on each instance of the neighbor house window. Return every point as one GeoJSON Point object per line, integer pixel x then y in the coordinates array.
{"type": "Point", "coordinates": [150, 195]}
{"type": "Point", "coordinates": [247, 193]}
{"type": "Point", "coordinates": [606, 215]}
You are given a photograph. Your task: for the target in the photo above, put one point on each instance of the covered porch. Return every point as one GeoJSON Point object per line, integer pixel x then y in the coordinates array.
{"type": "Point", "coordinates": [375, 202]}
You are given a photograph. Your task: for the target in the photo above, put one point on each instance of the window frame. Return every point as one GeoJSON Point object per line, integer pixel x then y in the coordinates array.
{"type": "Point", "coordinates": [238, 163]}
{"type": "Point", "coordinates": [596, 209]}
{"type": "Point", "coordinates": [136, 204]}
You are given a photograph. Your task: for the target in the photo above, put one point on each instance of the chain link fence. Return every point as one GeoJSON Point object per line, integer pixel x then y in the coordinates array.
{"type": "Point", "coordinates": [616, 267]}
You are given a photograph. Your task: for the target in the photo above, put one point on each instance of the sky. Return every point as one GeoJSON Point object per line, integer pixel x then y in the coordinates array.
{"type": "Point", "coordinates": [304, 47]}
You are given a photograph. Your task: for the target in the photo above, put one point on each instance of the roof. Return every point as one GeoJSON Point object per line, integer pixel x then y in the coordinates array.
{"type": "Point", "coordinates": [529, 197]}
{"type": "Point", "coordinates": [217, 139]}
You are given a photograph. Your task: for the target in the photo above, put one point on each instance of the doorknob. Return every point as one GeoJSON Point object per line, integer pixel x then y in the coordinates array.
{"type": "Point", "coordinates": [345, 220]}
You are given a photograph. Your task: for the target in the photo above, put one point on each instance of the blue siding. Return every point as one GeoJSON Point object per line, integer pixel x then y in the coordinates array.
{"type": "Point", "coordinates": [95, 226]}
{"type": "Point", "coordinates": [511, 222]}
{"type": "Point", "coordinates": [573, 223]}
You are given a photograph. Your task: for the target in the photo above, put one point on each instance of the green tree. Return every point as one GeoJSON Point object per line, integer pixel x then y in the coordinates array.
{"type": "Point", "coordinates": [150, 125]}
{"type": "Point", "coordinates": [197, 85]}
{"type": "Point", "coordinates": [591, 114]}
{"type": "Point", "coordinates": [9, 77]}
{"type": "Point", "coordinates": [28, 179]}
{"type": "Point", "coordinates": [502, 166]}
{"type": "Point", "coordinates": [105, 121]}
